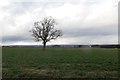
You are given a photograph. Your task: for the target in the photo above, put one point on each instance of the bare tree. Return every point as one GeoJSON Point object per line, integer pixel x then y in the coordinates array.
{"type": "Point", "coordinates": [44, 31]}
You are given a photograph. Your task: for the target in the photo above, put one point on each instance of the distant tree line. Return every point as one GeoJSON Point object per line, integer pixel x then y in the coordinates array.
{"type": "Point", "coordinates": [68, 46]}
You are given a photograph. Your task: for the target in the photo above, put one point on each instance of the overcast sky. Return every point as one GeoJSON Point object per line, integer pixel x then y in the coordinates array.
{"type": "Point", "coordinates": [82, 21]}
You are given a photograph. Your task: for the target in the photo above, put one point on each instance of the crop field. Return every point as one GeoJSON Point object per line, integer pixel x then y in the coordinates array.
{"type": "Point", "coordinates": [60, 63]}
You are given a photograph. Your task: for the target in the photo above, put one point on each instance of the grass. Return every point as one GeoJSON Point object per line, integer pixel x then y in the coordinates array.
{"type": "Point", "coordinates": [60, 63]}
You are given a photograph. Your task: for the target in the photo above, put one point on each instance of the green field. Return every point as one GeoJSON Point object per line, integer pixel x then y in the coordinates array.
{"type": "Point", "coordinates": [60, 62]}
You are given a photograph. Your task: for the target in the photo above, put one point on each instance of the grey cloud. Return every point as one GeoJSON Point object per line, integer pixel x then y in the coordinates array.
{"type": "Point", "coordinates": [104, 31]}
{"type": "Point", "coordinates": [7, 39]}
{"type": "Point", "coordinates": [17, 8]}
{"type": "Point", "coordinates": [71, 28]}
{"type": "Point", "coordinates": [67, 33]}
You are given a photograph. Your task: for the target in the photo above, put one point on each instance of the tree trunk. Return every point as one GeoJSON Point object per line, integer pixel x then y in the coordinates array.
{"type": "Point", "coordinates": [44, 45]}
